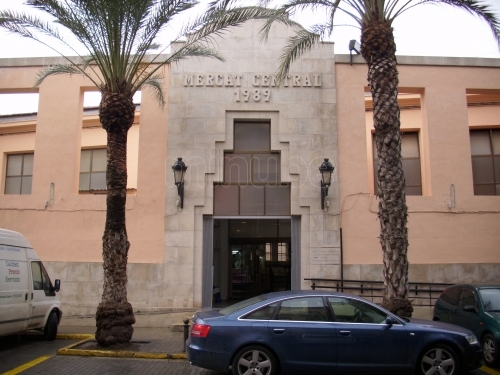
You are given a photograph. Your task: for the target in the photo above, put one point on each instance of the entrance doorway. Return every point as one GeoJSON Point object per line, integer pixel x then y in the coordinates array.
{"type": "Point", "coordinates": [259, 268]}
{"type": "Point", "coordinates": [250, 257]}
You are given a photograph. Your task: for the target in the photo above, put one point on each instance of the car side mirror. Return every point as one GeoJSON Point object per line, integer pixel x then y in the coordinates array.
{"type": "Point", "coordinates": [470, 308]}
{"type": "Point", "coordinates": [57, 285]}
{"type": "Point", "coordinates": [388, 321]}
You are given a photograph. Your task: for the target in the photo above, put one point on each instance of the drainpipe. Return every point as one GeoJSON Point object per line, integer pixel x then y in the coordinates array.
{"type": "Point", "coordinates": [341, 263]}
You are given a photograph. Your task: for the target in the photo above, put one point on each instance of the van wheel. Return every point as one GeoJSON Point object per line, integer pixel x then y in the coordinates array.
{"type": "Point", "coordinates": [50, 330]}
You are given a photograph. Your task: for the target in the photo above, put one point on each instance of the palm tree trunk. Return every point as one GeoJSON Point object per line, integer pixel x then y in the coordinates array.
{"type": "Point", "coordinates": [115, 316]}
{"type": "Point", "coordinates": [379, 50]}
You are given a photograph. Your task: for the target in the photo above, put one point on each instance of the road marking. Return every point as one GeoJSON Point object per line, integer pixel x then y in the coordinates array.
{"type": "Point", "coordinates": [489, 370]}
{"type": "Point", "coordinates": [26, 366]}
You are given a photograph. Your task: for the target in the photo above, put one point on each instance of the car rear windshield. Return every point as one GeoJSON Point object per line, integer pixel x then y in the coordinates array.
{"type": "Point", "coordinates": [491, 299]}
{"type": "Point", "coordinates": [241, 305]}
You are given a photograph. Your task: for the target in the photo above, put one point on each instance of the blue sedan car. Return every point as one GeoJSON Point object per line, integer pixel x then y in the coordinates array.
{"type": "Point", "coordinates": [312, 332]}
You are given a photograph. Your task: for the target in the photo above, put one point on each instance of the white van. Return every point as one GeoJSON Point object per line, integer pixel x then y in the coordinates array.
{"type": "Point", "coordinates": [27, 297]}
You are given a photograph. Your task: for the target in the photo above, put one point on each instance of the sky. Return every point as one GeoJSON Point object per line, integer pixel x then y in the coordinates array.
{"type": "Point", "coordinates": [425, 30]}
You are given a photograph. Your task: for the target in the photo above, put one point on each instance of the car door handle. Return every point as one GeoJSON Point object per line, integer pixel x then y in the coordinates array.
{"type": "Point", "coordinates": [345, 333]}
{"type": "Point", "coordinates": [279, 331]}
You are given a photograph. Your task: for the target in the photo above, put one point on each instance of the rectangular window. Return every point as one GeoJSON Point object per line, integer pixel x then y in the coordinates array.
{"type": "Point", "coordinates": [41, 280]}
{"type": "Point", "coordinates": [252, 136]}
{"type": "Point", "coordinates": [252, 200]}
{"type": "Point", "coordinates": [93, 169]}
{"type": "Point", "coordinates": [410, 154]}
{"type": "Point", "coordinates": [485, 153]}
{"type": "Point", "coordinates": [19, 174]}
{"type": "Point", "coordinates": [252, 175]}
{"type": "Point", "coordinates": [303, 309]}
{"type": "Point", "coordinates": [283, 252]}
{"type": "Point", "coordinates": [265, 168]}
{"type": "Point", "coordinates": [237, 168]}
{"type": "Point", "coordinates": [277, 252]}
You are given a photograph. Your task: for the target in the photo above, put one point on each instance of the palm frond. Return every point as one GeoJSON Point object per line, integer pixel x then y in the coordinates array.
{"type": "Point", "coordinates": [359, 12]}
{"type": "Point", "coordinates": [87, 62]}
{"type": "Point", "coordinates": [82, 19]}
{"type": "Point", "coordinates": [158, 18]}
{"type": "Point", "coordinates": [304, 4]}
{"type": "Point", "coordinates": [201, 32]}
{"type": "Point", "coordinates": [301, 42]}
{"type": "Point", "coordinates": [193, 50]}
{"type": "Point", "coordinates": [280, 15]}
{"type": "Point", "coordinates": [225, 4]}
{"type": "Point", "coordinates": [392, 6]}
{"type": "Point", "coordinates": [218, 22]}
{"type": "Point", "coordinates": [190, 50]}
{"type": "Point", "coordinates": [474, 7]}
{"type": "Point", "coordinates": [219, 4]}
{"type": "Point", "coordinates": [155, 83]}
{"type": "Point", "coordinates": [54, 70]}
{"type": "Point", "coordinates": [21, 24]}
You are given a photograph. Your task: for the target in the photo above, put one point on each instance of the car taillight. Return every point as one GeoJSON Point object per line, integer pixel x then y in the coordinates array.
{"type": "Point", "coordinates": [200, 330]}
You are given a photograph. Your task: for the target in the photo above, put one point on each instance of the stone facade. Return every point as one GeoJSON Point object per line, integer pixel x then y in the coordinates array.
{"type": "Point", "coordinates": [206, 98]}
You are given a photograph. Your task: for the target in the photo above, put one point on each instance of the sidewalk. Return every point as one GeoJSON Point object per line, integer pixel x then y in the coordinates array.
{"type": "Point", "coordinates": [152, 343]}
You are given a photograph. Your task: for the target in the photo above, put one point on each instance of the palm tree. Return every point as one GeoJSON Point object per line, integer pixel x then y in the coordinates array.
{"type": "Point", "coordinates": [117, 35]}
{"type": "Point", "coordinates": [375, 18]}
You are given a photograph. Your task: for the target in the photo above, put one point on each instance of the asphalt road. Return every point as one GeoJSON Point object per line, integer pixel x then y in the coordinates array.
{"type": "Point", "coordinates": [29, 354]}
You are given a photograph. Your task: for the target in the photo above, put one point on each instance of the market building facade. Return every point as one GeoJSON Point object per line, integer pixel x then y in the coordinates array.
{"type": "Point", "coordinates": [251, 218]}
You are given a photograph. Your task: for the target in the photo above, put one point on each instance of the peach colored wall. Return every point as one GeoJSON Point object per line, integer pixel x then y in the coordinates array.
{"type": "Point", "coordinates": [70, 230]}
{"type": "Point", "coordinates": [484, 116]}
{"type": "Point", "coordinates": [466, 234]}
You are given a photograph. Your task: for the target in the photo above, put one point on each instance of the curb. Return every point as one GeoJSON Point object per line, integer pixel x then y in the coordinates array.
{"type": "Point", "coordinates": [70, 350]}
{"type": "Point", "coordinates": [74, 336]}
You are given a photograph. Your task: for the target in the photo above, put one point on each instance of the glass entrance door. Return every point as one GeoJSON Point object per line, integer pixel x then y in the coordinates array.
{"type": "Point", "coordinates": [249, 257]}
{"type": "Point", "coordinates": [258, 268]}
{"type": "Point", "coordinates": [247, 270]}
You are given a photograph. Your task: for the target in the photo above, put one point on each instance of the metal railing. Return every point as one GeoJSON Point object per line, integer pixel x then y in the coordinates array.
{"type": "Point", "coordinates": [421, 294]}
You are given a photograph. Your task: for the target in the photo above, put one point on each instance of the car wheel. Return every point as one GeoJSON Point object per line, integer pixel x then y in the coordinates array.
{"type": "Point", "coordinates": [50, 330]}
{"type": "Point", "coordinates": [490, 350]}
{"type": "Point", "coordinates": [254, 360]}
{"type": "Point", "coordinates": [438, 359]}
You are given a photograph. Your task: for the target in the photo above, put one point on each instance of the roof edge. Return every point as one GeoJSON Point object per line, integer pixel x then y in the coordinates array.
{"type": "Point", "coordinates": [339, 59]}
{"type": "Point", "coordinates": [49, 60]}
{"type": "Point", "coordinates": [428, 60]}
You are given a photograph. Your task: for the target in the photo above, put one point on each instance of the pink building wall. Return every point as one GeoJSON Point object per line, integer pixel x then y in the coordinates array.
{"type": "Point", "coordinates": [446, 245]}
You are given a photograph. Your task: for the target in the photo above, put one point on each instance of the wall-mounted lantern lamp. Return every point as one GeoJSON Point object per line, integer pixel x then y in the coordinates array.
{"type": "Point", "coordinates": [326, 169]}
{"type": "Point", "coordinates": [179, 169]}
{"type": "Point", "coordinates": [354, 46]}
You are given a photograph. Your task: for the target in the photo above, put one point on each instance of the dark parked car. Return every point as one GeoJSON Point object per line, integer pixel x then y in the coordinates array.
{"type": "Point", "coordinates": [312, 332]}
{"type": "Point", "coordinates": [476, 307]}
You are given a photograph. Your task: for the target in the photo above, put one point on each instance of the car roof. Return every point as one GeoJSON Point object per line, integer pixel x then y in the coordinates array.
{"type": "Point", "coordinates": [476, 285]}
{"type": "Point", "coordinates": [291, 293]}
